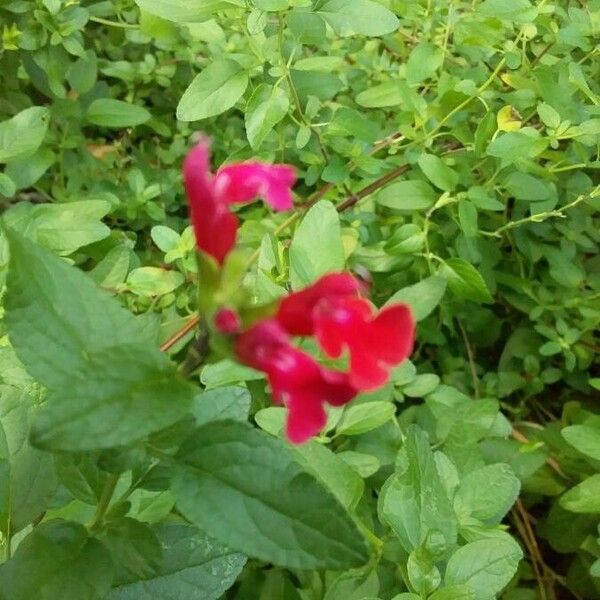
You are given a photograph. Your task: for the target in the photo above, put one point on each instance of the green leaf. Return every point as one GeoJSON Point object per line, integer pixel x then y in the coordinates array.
{"type": "Point", "coordinates": [583, 498]}
{"type": "Point", "coordinates": [310, 260]}
{"type": "Point", "coordinates": [424, 60]}
{"type": "Point", "coordinates": [153, 281]}
{"type": "Point", "coordinates": [414, 501]}
{"type": "Point", "coordinates": [344, 482]}
{"type": "Point", "coordinates": [23, 134]}
{"type": "Point", "coordinates": [26, 171]}
{"type": "Point", "coordinates": [350, 17]}
{"type": "Point", "coordinates": [58, 560]}
{"type": "Point", "coordinates": [243, 487]}
{"type": "Point", "coordinates": [106, 112]}
{"type": "Point", "coordinates": [364, 417]}
{"type": "Point", "coordinates": [271, 4]}
{"type": "Point", "coordinates": [515, 146]}
{"type": "Point", "coordinates": [486, 566]}
{"type": "Point", "coordinates": [213, 91]}
{"type": "Point", "coordinates": [422, 297]}
{"type": "Point", "coordinates": [109, 384]}
{"type": "Point", "coordinates": [548, 115]}
{"type": "Point", "coordinates": [266, 107]}
{"type": "Point", "coordinates": [438, 172]}
{"type": "Point", "coordinates": [319, 63]}
{"type": "Point", "coordinates": [509, 10]}
{"type": "Point", "coordinates": [134, 548]}
{"type": "Point", "coordinates": [408, 195]}
{"type": "Point", "coordinates": [7, 186]}
{"type": "Point", "coordinates": [226, 372]}
{"type": "Point", "coordinates": [453, 592]}
{"type": "Point", "coordinates": [193, 567]}
{"type": "Point", "coordinates": [61, 228]}
{"type": "Point", "coordinates": [186, 11]}
{"type": "Point", "coordinates": [584, 439]}
{"type": "Point", "coordinates": [382, 95]}
{"type": "Point", "coordinates": [465, 281]}
{"type": "Point", "coordinates": [222, 403]}
{"type": "Point", "coordinates": [487, 493]}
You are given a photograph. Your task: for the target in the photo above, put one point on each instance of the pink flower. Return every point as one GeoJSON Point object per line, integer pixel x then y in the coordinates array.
{"type": "Point", "coordinates": [210, 195]}
{"type": "Point", "coordinates": [227, 321]}
{"type": "Point", "coordinates": [296, 379]}
{"type": "Point", "coordinates": [333, 312]}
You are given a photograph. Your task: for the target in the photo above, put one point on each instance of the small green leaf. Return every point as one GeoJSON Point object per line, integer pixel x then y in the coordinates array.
{"type": "Point", "coordinates": [153, 281]}
{"type": "Point", "coordinates": [548, 115]}
{"type": "Point", "coordinates": [365, 17]}
{"type": "Point", "coordinates": [408, 195]}
{"type": "Point", "coordinates": [7, 186]}
{"type": "Point", "coordinates": [310, 260]}
{"type": "Point", "coordinates": [23, 134]}
{"type": "Point", "coordinates": [487, 493]}
{"type": "Point", "coordinates": [438, 172]}
{"type": "Point", "coordinates": [186, 11]}
{"type": "Point", "coordinates": [465, 281]}
{"type": "Point", "coordinates": [382, 95]}
{"type": "Point", "coordinates": [361, 418]}
{"type": "Point", "coordinates": [266, 107]}
{"type": "Point", "coordinates": [319, 63]}
{"type": "Point", "coordinates": [424, 60]}
{"type": "Point", "coordinates": [243, 487]}
{"type": "Point", "coordinates": [584, 439]}
{"type": "Point", "coordinates": [583, 498]}
{"type": "Point", "coordinates": [486, 566]}
{"type": "Point", "coordinates": [106, 112]}
{"type": "Point", "coordinates": [213, 91]}
{"type": "Point", "coordinates": [422, 297]}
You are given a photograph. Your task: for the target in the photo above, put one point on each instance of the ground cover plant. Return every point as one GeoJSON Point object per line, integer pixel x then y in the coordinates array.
{"type": "Point", "coordinates": [300, 299]}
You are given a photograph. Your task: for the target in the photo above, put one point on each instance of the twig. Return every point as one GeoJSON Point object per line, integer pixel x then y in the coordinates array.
{"type": "Point", "coordinates": [189, 326]}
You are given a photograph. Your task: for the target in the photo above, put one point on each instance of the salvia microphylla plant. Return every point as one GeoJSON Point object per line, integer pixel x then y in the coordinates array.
{"type": "Point", "coordinates": [333, 310]}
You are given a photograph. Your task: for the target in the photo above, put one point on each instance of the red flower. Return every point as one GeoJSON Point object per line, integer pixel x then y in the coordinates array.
{"type": "Point", "coordinates": [227, 321]}
{"type": "Point", "coordinates": [331, 310]}
{"type": "Point", "coordinates": [296, 379]}
{"type": "Point", "coordinates": [210, 195]}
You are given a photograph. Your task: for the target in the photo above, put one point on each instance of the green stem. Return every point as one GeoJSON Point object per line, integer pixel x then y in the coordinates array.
{"type": "Point", "coordinates": [114, 23]}
{"type": "Point", "coordinates": [104, 502]}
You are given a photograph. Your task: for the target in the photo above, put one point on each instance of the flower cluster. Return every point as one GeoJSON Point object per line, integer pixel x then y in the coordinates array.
{"type": "Point", "coordinates": [333, 310]}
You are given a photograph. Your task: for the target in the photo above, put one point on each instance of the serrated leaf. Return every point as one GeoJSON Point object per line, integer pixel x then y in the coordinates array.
{"type": "Point", "coordinates": [243, 487]}
{"type": "Point", "coordinates": [308, 261]}
{"type": "Point", "coordinates": [213, 91]}
{"type": "Point", "coordinates": [109, 384]}
{"type": "Point", "coordinates": [465, 281]}
{"type": "Point", "coordinates": [58, 560]}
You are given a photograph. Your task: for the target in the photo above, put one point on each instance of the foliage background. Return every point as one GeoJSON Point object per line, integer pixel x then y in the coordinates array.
{"type": "Point", "coordinates": [460, 144]}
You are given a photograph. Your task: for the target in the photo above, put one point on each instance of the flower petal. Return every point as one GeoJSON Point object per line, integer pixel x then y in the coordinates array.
{"type": "Point", "coordinates": [247, 181]}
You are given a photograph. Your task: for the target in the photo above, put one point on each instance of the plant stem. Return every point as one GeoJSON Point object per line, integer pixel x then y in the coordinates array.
{"type": "Point", "coordinates": [104, 502]}
{"type": "Point", "coordinates": [114, 23]}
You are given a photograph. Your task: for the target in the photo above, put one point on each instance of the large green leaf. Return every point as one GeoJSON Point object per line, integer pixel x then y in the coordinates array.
{"type": "Point", "coordinates": [485, 566]}
{"type": "Point", "coordinates": [192, 566]}
{"type": "Point", "coordinates": [23, 134]}
{"type": "Point", "coordinates": [31, 479]}
{"type": "Point", "coordinates": [213, 91]}
{"type": "Point", "coordinates": [350, 17]}
{"type": "Point", "coordinates": [108, 384]}
{"type": "Point", "coordinates": [317, 246]}
{"type": "Point", "coordinates": [243, 487]}
{"type": "Point", "coordinates": [56, 561]}
{"type": "Point", "coordinates": [266, 107]}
